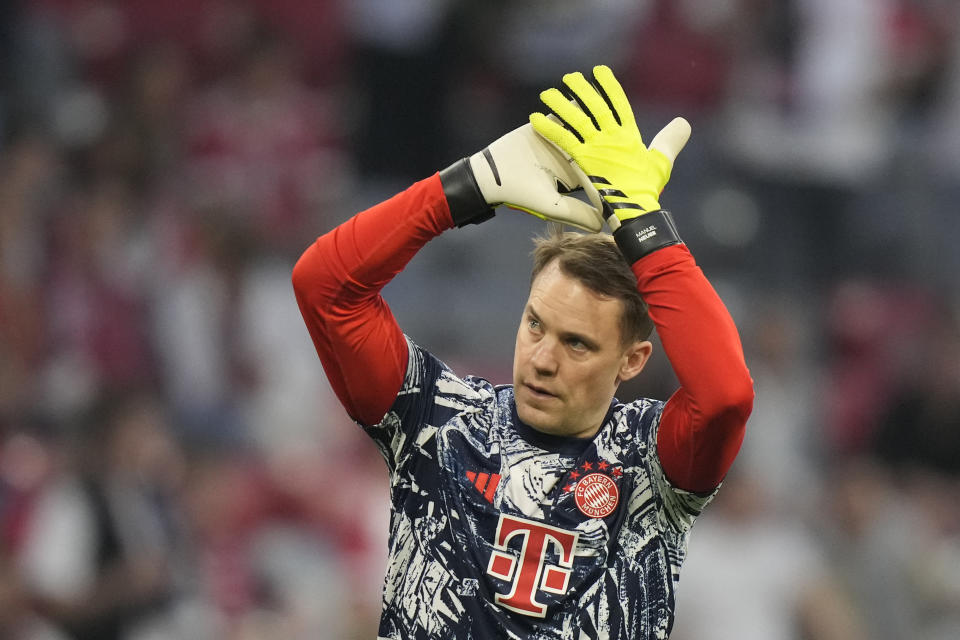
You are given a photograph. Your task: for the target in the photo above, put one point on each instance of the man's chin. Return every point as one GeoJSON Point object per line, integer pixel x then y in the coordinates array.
{"type": "Point", "coordinates": [537, 418]}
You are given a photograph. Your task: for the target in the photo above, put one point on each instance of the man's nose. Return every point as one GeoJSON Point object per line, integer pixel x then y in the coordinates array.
{"type": "Point", "coordinates": [544, 357]}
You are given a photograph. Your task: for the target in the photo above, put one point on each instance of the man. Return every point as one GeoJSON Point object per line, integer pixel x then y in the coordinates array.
{"type": "Point", "coordinates": [543, 509]}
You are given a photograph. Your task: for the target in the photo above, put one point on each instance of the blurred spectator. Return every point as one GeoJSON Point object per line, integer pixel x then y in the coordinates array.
{"type": "Point", "coordinates": [343, 497]}
{"type": "Point", "coordinates": [679, 60]}
{"type": "Point", "coordinates": [404, 60]}
{"type": "Point", "coordinates": [8, 20]}
{"type": "Point", "coordinates": [28, 186]}
{"type": "Point", "coordinates": [537, 42]}
{"type": "Point", "coordinates": [260, 565]}
{"type": "Point", "coordinates": [100, 556]}
{"type": "Point", "coordinates": [193, 314]}
{"type": "Point", "coordinates": [887, 539]}
{"type": "Point", "coordinates": [94, 300]}
{"type": "Point", "coordinates": [262, 145]}
{"type": "Point", "coordinates": [752, 574]}
{"type": "Point", "coordinates": [37, 65]}
{"type": "Point", "coordinates": [223, 505]}
{"type": "Point", "coordinates": [783, 441]}
{"type": "Point", "coordinates": [288, 403]}
{"type": "Point", "coordinates": [936, 183]}
{"type": "Point", "coordinates": [921, 427]}
{"type": "Point", "coordinates": [874, 332]}
{"type": "Point", "coordinates": [808, 121]}
{"type": "Point", "coordinates": [29, 456]}
{"type": "Point", "coordinates": [151, 116]}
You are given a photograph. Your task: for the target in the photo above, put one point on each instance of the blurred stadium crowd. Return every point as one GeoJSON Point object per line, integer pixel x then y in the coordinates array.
{"type": "Point", "coordinates": [172, 462]}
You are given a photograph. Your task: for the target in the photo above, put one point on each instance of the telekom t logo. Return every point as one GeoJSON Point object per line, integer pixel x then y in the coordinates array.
{"type": "Point", "coordinates": [531, 574]}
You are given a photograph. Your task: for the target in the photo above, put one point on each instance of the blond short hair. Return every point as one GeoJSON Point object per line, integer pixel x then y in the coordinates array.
{"type": "Point", "coordinates": [595, 261]}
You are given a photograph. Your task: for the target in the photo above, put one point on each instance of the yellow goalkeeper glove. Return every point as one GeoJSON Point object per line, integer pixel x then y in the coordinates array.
{"type": "Point", "coordinates": [594, 124]}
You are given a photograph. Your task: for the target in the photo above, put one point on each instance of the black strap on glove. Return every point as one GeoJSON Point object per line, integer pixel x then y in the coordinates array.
{"type": "Point", "coordinates": [467, 204]}
{"type": "Point", "coordinates": [643, 235]}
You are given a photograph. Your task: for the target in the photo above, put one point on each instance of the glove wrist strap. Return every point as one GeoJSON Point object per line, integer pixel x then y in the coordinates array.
{"type": "Point", "coordinates": [641, 236]}
{"type": "Point", "coordinates": [466, 202]}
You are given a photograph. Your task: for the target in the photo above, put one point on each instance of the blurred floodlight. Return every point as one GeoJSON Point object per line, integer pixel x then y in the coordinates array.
{"type": "Point", "coordinates": [730, 216]}
{"type": "Point", "coordinates": [80, 116]}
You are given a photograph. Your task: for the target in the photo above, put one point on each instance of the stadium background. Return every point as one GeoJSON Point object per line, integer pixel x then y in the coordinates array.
{"type": "Point", "coordinates": [171, 458]}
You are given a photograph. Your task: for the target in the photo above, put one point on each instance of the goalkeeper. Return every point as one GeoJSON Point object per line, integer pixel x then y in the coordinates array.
{"type": "Point", "coordinates": [545, 508]}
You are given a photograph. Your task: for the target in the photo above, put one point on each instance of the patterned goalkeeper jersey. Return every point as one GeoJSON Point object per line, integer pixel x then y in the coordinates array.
{"type": "Point", "coordinates": [499, 531]}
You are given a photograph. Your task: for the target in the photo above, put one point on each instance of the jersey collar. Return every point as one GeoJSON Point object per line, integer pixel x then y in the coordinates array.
{"type": "Point", "coordinates": [556, 444]}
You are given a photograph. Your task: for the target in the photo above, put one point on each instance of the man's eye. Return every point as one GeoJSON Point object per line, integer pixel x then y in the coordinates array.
{"type": "Point", "coordinates": [533, 325]}
{"type": "Point", "coordinates": [577, 345]}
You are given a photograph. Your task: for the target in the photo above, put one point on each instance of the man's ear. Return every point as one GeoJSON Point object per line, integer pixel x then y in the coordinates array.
{"type": "Point", "coordinates": [635, 358]}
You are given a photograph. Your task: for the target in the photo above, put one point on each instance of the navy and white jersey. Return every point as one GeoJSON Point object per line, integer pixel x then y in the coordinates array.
{"type": "Point", "coordinates": [499, 531]}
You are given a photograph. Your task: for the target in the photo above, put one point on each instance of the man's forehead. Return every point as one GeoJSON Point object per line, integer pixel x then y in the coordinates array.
{"type": "Point", "coordinates": [568, 300]}
{"type": "Point", "coordinates": [553, 280]}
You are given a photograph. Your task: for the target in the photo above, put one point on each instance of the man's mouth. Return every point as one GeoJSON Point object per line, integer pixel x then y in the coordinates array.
{"type": "Point", "coordinates": [538, 391]}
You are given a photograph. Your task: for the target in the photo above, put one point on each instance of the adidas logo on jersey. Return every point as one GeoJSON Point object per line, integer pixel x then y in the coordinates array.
{"type": "Point", "coordinates": [486, 483]}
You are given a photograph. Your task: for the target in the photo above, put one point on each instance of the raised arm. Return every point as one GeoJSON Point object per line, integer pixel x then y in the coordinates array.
{"type": "Point", "coordinates": [338, 279]}
{"type": "Point", "coordinates": [703, 422]}
{"type": "Point", "coordinates": [702, 425]}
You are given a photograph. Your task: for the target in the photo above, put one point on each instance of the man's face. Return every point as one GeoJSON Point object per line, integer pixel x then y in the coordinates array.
{"type": "Point", "coordinates": [569, 357]}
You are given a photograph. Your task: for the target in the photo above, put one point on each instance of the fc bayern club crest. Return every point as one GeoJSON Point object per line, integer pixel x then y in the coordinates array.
{"type": "Point", "coordinates": [596, 495]}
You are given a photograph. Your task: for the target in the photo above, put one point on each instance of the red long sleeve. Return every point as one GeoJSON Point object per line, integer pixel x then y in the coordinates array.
{"type": "Point", "coordinates": [338, 281]}
{"type": "Point", "coordinates": [703, 422]}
